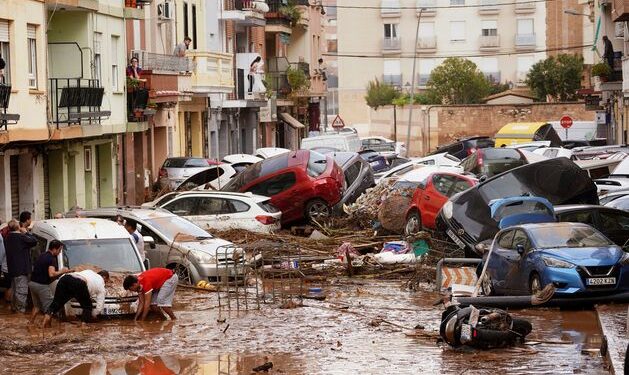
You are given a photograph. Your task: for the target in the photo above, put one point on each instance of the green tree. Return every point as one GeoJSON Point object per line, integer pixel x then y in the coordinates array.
{"type": "Point", "coordinates": [556, 78]}
{"type": "Point", "coordinates": [458, 81]}
{"type": "Point", "coordinates": [380, 94]}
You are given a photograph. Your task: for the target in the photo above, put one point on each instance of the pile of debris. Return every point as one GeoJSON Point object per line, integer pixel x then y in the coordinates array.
{"type": "Point", "coordinates": [381, 207]}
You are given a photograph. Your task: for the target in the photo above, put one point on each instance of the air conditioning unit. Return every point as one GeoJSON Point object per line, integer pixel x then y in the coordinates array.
{"type": "Point", "coordinates": [166, 10]}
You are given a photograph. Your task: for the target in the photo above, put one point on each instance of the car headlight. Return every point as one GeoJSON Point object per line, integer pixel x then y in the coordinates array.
{"type": "Point", "coordinates": [447, 210]}
{"type": "Point", "coordinates": [205, 258]}
{"type": "Point", "coordinates": [554, 262]}
{"type": "Point", "coordinates": [624, 259]}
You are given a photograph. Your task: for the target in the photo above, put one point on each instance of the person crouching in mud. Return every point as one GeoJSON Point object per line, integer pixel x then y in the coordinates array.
{"type": "Point", "coordinates": [156, 291]}
{"type": "Point", "coordinates": [83, 286]}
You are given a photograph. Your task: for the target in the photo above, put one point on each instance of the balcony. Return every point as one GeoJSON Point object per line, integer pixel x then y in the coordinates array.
{"type": "Point", "coordinates": [137, 101]}
{"type": "Point", "coordinates": [391, 46]}
{"type": "Point", "coordinates": [390, 8]}
{"type": "Point", "coordinates": [489, 43]}
{"type": "Point", "coordinates": [427, 8]}
{"type": "Point", "coordinates": [162, 63]}
{"type": "Point", "coordinates": [493, 77]}
{"type": "Point", "coordinates": [212, 72]}
{"type": "Point", "coordinates": [488, 7]}
{"type": "Point", "coordinates": [621, 11]}
{"type": "Point", "coordinates": [276, 20]}
{"type": "Point", "coordinates": [162, 74]}
{"type": "Point", "coordinates": [525, 42]}
{"type": "Point", "coordinates": [524, 7]}
{"type": "Point", "coordinates": [277, 78]}
{"type": "Point", "coordinates": [134, 9]}
{"type": "Point", "coordinates": [6, 118]}
{"type": "Point", "coordinates": [392, 79]}
{"type": "Point", "coordinates": [427, 44]}
{"type": "Point", "coordinates": [76, 101]}
{"type": "Point", "coordinates": [245, 12]}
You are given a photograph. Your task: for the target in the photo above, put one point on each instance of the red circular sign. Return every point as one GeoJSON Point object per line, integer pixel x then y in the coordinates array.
{"type": "Point", "coordinates": [566, 122]}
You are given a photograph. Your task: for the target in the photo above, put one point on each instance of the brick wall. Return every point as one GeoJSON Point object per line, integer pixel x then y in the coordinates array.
{"type": "Point", "coordinates": [564, 30]}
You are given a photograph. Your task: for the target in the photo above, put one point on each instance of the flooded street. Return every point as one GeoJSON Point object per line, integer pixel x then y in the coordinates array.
{"type": "Point", "coordinates": [318, 338]}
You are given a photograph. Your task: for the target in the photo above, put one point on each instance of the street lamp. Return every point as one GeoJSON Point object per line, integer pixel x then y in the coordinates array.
{"type": "Point", "coordinates": [413, 78]}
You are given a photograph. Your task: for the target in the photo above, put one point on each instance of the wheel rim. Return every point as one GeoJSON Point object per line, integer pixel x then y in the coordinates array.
{"type": "Point", "coordinates": [535, 285]}
{"type": "Point", "coordinates": [412, 225]}
{"type": "Point", "coordinates": [318, 210]}
{"type": "Point", "coordinates": [183, 274]}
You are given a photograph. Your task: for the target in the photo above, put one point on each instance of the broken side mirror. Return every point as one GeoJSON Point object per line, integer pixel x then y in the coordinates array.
{"type": "Point", "coordinates": [519, 248]}
{"type": "Point", "coordinates": [148, 240]}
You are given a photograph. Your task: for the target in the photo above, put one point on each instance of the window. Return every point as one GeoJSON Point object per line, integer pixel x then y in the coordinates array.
{"type": "Point", "coordinates": [520, 238]}
{"type": "Point", "coordinates": [425, 68]}
{"type": "Point", "coordinates": [390, 30]}
{"type": "Point", "coordinates": [443, 183]}
{"type": "Point", "coordinates": [525, 26]}
{"type": "Point", "coordinates": [351, 174]}
{"type": "Point", "coordinates": [182, 207]}
{"type": "Point", "coordinates": [489, 66]}
{"type": "Point", "coordinates": [525, 63]}
{"type": "Point", "coordinates": [98, 72]}
{"type": "Point", "coordinates": [392, 72]}
{"type": "Point", "coordinates": [31, 34]}
{"type": "Point", "coordinates": [214, 206]}
{"type": "Point", "coordinates": [489, 28]}
{"type": "Point", "coordinates": [614, 221]}
{"type": "Point", "coordinates": [332, 42]}
{"type": "Point", "coordinates": [5, 51]}
{"type": "Point", "coordinates": [460, 185]}
{"type": "Point", "coordinates": [194, 27]}
{"type": "Point", "coordinates": [114, 63]}
{"type": "Point", "coordinates": [185, 19]}
{"type": "Point", "coordinates": [506, 239]}
{"type": "Point", "coordinates": [457, 31]}
{"type": "Point", "coordinates": [274, 185]}
{"type": "Point", "coordinates": [426, 30]}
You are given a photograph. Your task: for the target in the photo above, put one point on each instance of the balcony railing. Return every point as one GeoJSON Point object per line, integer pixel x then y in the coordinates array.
{"type": "Point", "coordinates": [489, 42]}
{"type": "Point", "coordinates": [391, 44]}
{"type": "Point", "coordinates": [245, 12]}
{"type": "Point", "coordinates": [137, 100]}
{"type": "Point", "coordinates": [525, 41]}
{"type": "Point", "coordinates": [6, 118]}
{"type": "Point", "coordinates": [390, 8]}
{"type": "Point", "coordinates": [392, 79]}
{"type": "Point", "coordinates": [76, 101]}
{"type": "Point", "coordinates": [427, 43]}
{"type": "Point", "coordinates": [277, 79]}
{"type": "Point", "coordinates": [493, 77]}
{"type": "Point", "coordinates": [427, 7]}
{"type": "Point", "coordinates": [162, 62]}
{"type": "Point", "coordinates": [489, 7]}
{"type": "Point", "coordinates": [274, 15]}
{"type": "Point", "coordinates": [525, 6]}
{"type": "Point", "coordinates": [212, 72]}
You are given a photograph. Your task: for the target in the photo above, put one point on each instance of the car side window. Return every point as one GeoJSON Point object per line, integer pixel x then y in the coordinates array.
{"type": "Point", "coordinates": [443, 183]}
{"type": "Point", "coordinates": [460, 185]}
{"type": "Point", "coordinates": [274, 185]}
{"type": "Point", "coordinates": [506, 240]}
{"type": "Point", "coordinates": [469, 163]}
{"type": "Point", "coordinates": [585, 217]}
{"type": "Point", "coordinates": [238, 206]}
{"type": "Point", "coordinates": [614, 221]}
{"type": "Point", "coordinates": [211, 206]}
{"type": "Point", "coordinates": [351, 174]}
{"type": "Point", "coordinates": [520, 238]}
{"type": "Point", "coordinates": [144, 231]}
{"type": "Point", "coordinates": [183, 206]}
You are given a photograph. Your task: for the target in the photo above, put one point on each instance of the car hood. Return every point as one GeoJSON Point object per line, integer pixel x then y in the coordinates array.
{"type": "Point", "coordinates": [209, 246]}
{"type": "Point", "coordinates": [586, 256]}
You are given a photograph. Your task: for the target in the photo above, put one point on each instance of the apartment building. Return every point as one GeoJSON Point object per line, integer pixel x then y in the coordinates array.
{"type": "Point", "coordinates": [330, 59]}
{"type": "Point", "coordinates": [376, 39]}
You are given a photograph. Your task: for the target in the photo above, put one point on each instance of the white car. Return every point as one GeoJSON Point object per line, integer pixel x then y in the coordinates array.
{"type": "Point", "coordinates": [240, 162]}
{"type": "Point", "coordinates": [383, 145]}
{"type": "Point", "coordinates": [554, 152]}
{"type": "Point", "coordinates": [217, 210]}
{"type": "Point", "coordinates": [605, 185]}
{"type": "Point", "coordinates": [441, 160]}
{"type": "Point", "coordinates": [269, 152]}
{"type": "Point", "coordinates": [214, 178]}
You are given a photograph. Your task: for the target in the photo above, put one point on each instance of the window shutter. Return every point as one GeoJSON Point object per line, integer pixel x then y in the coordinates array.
{"type": "Point", "coordinates": [4, 31]}
{"type": "Point", "coordinates": [31, 32]}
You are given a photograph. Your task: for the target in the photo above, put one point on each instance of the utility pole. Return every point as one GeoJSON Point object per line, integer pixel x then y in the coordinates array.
{"type": "Point", "coordinates": [412, 93]}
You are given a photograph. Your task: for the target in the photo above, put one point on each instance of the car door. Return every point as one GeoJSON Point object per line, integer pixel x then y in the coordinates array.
{"type": "Point", "coordinates": [614, 225]}
{"type": "Point", "coordinates": [434, 197]}
{"type": "Point", "coordinates": [159, 254]}
{"type": "Point", "coordinates": [284, 193]}
{"type": "Point", "coordinates": [498, 263]}
{"type": "Point", "coordinates": [519, 266]}
{"type": "Point", "coordinates": [207, 212]}
{"type": "Point", "coordinates": [351, 174]}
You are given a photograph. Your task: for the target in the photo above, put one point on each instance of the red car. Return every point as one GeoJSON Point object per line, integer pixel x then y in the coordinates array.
{"type": "Point", "coordinates": [301, 184]}
{"type": "Point", "coordinates": [431, 195]}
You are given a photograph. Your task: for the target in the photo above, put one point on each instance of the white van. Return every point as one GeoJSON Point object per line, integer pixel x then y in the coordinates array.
{"type": "Point", "coordinates": [95, 242]}
{"type": "Point", "coordinates": [338, 142]}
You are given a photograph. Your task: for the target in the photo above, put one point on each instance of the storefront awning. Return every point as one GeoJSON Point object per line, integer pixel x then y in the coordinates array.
{"type": "Point", "coordinates": [290, 120]}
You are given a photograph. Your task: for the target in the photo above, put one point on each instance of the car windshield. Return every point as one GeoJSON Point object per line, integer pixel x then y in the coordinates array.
{"type": "Point", "coordinates": [317, 164]}
{"type": "Point", "coordinates": [256, 171]}
{"type": "Point", "coordinates": [113, 255]}
{"type": "Point", "coordinates": [172, 226]}
{"type": "Point", "coordinates": [568, 236]}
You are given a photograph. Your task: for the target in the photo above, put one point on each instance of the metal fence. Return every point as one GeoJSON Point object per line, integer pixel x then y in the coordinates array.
{"type": "Point", "coordinates": [162, 62]}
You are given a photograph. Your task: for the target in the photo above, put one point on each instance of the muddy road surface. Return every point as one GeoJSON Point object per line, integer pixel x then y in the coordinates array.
{"type": "Point", "coordinates": [361, 328]}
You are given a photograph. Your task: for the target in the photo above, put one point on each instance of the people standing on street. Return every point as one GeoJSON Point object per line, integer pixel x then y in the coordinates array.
{"type": "Point", "coordinates": [608, 53]}
{"type": "Point", "coordinates": [25, 220]}
{"type": "Point", "coordinates": [45, 271]}
{"type": "Point", "coordinates": [82, 286]}
{"type": "Point", "coordinates": [180, 49]}
{"type": "Point", "coordinates": [132, 227]}
{"type": "Point", "coordinates": [156, 291]}
{"type": "Point", "coordinates": [18, 249]}
{"type": "Point", "coordinates": [5, 280]}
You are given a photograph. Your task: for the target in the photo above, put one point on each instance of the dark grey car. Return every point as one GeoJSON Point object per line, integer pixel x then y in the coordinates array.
{"type": "Point", "coordinates": [358, 176]}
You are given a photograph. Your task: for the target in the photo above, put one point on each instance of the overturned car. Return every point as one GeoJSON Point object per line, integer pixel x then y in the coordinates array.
{"type": "Point", "coordinates": [467, 218]}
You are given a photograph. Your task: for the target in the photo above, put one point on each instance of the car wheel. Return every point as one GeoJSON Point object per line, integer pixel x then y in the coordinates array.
{"type": "Point", "coordinates": [486, 285]}
{"type": "Point", "coordinates": [535, 284]}
{"type": "Point", "coordinates": [185, 277]}
{"type": "Point", "coordinates": [413, 224]}
{"type": "Point", "coordinates": [317, 209]}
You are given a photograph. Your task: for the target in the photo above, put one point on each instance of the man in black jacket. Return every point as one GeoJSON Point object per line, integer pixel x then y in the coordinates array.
{"type": "Point", "coordinates": [608, 52]}
{"type": "Point", "coordinates": [18, 248]}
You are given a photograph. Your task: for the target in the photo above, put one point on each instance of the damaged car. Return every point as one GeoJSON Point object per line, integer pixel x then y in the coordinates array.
{"type": "Point", "coordinates": [466, 217]}
{"type": "Point", "coordinates": [358, 177]}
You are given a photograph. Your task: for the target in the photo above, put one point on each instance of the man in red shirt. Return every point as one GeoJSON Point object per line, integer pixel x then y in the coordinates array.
{"type": "Point", "coordinates": [156, 291]}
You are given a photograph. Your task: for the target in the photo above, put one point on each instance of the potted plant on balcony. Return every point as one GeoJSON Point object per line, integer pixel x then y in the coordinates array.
{"type": "Point", "coordinates": [297, 80]}
{"type": "Point", "coordinates": [291, 12]}
{"type": "Point", "coordinates": [601, 70]}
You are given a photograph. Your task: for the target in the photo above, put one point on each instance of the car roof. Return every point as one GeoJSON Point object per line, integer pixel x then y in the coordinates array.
{"type": "Point", "coordinates": [546, 225]}
{"type": "Point", "coordinates": [344, 157]}
{"type": "Point", "coordinates": [227, 194]}
{"type": "Point", "coordinates": [139, 213]}
{"type": "Point", "coordinates": [80, 229]}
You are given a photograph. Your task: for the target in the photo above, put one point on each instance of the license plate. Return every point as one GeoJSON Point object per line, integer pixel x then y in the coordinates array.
{"type": "Point", "coordinates": [601, 281]}
{"type": "Point", "coordinates": [466, 333]}
{"type": "Point", "coordinates": [455, 239]}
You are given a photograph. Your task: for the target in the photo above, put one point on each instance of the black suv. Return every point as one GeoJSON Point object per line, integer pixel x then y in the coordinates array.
{"type": "Point", "coordinates": [463, 147]}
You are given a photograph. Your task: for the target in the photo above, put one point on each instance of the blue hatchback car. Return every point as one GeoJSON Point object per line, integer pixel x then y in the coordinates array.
{"type": "Point", "coordinates": [575, 258]}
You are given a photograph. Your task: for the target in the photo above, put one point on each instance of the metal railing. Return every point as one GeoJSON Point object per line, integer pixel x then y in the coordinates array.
{"type": "Point", "coordinates": [76, 101]}
{"type": "Point", "coordinates": [489, 41]}
{"type": "Point", "coordinates": [162, 62]}
{"type": "Point", "coordinates": [391, 44]}
{"type": "Point", "coordinates": [427, 42]}
{"type": "Point", "coordinates": [6, 118]}
{"type": "Point", "coordinates": [525, 40]}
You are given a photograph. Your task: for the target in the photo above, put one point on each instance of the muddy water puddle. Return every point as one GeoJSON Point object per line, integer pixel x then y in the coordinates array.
{"type": "Point", "coordinates": [358, 329]}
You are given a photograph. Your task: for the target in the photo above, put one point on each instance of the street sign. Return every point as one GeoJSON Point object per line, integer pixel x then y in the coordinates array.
{"type": "Point", "coordinates": [338, 123]}
{"type": "Point", "coordinates": [566, 122]}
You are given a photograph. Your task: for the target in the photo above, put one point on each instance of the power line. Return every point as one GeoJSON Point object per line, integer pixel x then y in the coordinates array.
{"type": "Point", "coordinates": [440, 6]}
{"type": "Point", "coordinates": [504, 53]}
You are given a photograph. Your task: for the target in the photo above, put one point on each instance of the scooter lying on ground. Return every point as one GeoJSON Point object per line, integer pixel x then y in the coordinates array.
{"type": "Point", "coordinates": [481, 328]}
